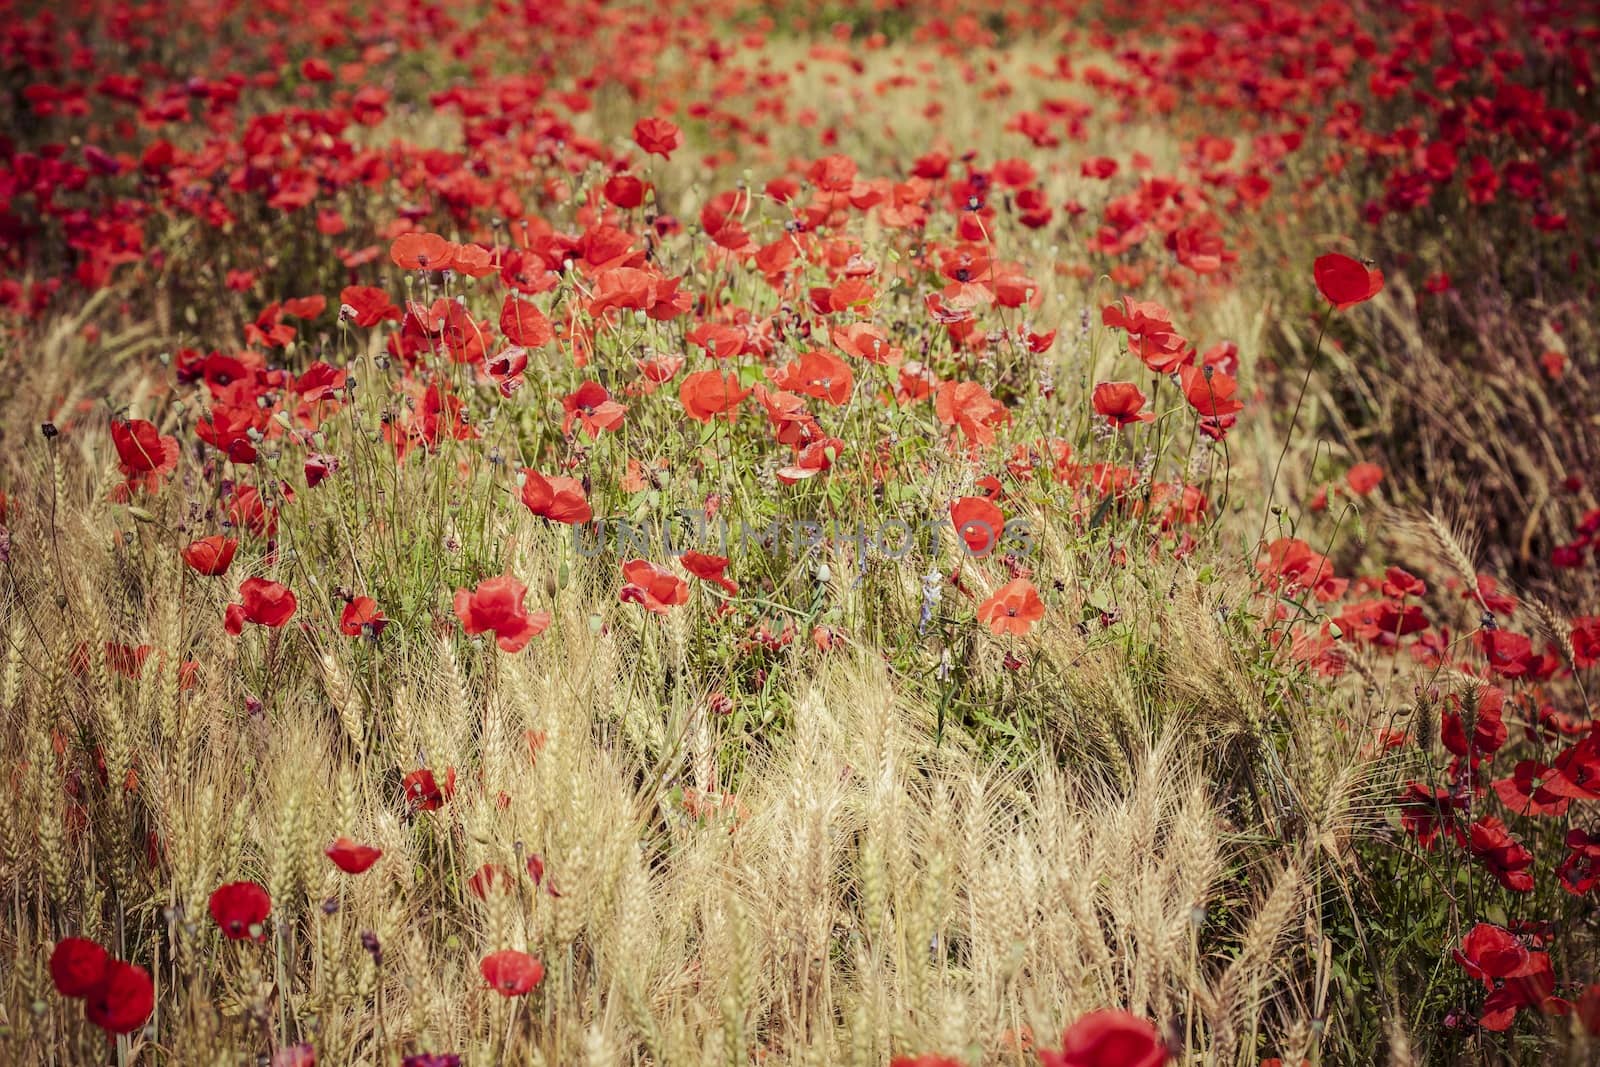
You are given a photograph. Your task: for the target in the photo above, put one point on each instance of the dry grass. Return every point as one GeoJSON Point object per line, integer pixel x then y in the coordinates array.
{"type": "Point", "coordinates": [848, 887]}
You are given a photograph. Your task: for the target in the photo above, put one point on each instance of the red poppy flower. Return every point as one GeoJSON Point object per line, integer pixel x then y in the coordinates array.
{"type": "Point", "coordinates": [78, 966]}
{"type": "Point", "coordinates": [1210, 392]}
{"type": "Point", "coordinates": [555, 498]}
{"type": "Point", "coordinates": [652, 587]}
{"type": "Point", "coordinates": [708, 569]}
{"type": "Point", "coordinates": [301, 1055]}
{"type": "Point", "coordinates": [511, 973]}
{"type": "Point", "coordinates": [1121, 403]}
{"type": "Point", "coordinates": [211, 556]}
{"type": "Point", "coordinates": [657, 136]}
{"type": "Point", "coordinates": [305, 307]}
{"type": "Point", "coordinates": [317, 467]}
{"type": "Point", "coordinates": [362, 616]}
{"type": "Point", "coordinates": [486, 878]}
{"type": "Point", "coordinates": [979, 523]}
{"type": "Point", "coordinates": [524, 324]}
{"type": "Point", "coordinates": [1510, 655]}
{"type": "Point", "coordinates": [1577, 770]}
{"type": "Point", "coordinates": [1100, 167]}
{"type": "Point", "coordinates": [591, 405]}
{"type": "Point", "coordinates": [1138, 317]}
{"type": "Point", "coordinates": [142, 449]}
{"type": "Point", "coordinates": [321, 381]}
{"type": "Point", "coordinates": [1503, 855]}
{"type": "Point", "coordinates": [422, 251]}
{"type": "Point", "coordinates": [658, 370]}
{"type": "Point", "coordinates": [496, 604]}
{"type": "Point", "coordinates": [1013, 609]}
{"type": "Point", "coordinates": [1579, 873]}
{"type": "Point", "coordinates": [1346, 282]}
{"type": "Point", "coordinates": [1108, 1039]}
{"type": "Point", "coordinates": [1523, 793]}
{"type": "Point", "coordinates": [1531, 990]}
{"type": "Point", "coordinates": [474, 260]}
{"type": "Point", "coordinates": [424, 792]}
{"type": "Point", "coordinates": [238, 906]}
{"type": "Point", "coordinates": [1162, 353]}
{"type": "Point", "coordinates": [262, 602]}
{"type": "Point", "coordinates": [1363, 478]}
{"type": "Point", "coordinates": [506, 369]}
{"type": "Point", "coordinates": [350, 857]}
{"type": "Point", "coordinates": [1489, 952]}
{"type": "Point", "coordinates": [819, 374]}
{"type": "Point", "coordinates": [708, 394]}
{"type": "Point", "coordinates": [367, 305]}
{"type": "Point", "coordinates": [624, 191]}
{"type": "Point", "coordinates": [866, 341]}
{"type": "Point", "coordinates": [245, 508]}
{"type": "Point", "coordinates": [969, 408]}
{"type": "Point", "coordinates": [146, 456]}
{"type": "Point", "coordinates": [1399, 583]}
{"type": "Point", "coordinates": [123, 1000]}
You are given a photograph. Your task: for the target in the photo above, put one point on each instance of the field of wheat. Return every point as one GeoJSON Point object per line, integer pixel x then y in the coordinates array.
{"type": "Point", "coordinates": [925, 533]}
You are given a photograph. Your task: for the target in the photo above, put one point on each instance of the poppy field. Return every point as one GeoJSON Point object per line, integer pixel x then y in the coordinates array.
{"type": "Point", "coordinates": [869, 532]}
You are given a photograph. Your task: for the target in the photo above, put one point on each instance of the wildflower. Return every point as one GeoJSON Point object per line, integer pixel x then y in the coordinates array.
{"type": "Point", "coordinates": [524, 324]}
{"type": "Point", "coordinates": [591, 405]}
{"type": "Point", "coordinates": [709, 569]}
{"type": "Point", "coordinates": [240, 910]}
{"type": "Point", "coordinates": [653, 588]}
{"type": "Point", "coordinates": [350, 857]}
{"type": "Point", "coordinates": [511, 973]}
{"type": "Point", "coordinates": [317, 468]}
{"type": "Point", "coordinates": [263, 602]}
{"type": "Point", "coordinates": [968, 407]}
{"type": "Point", "coordinates": [1013, 608]}
{"type": "Point", "coordinates": [1121, 403]}
{"type": "Point", "coordinates": [78, 966]}
{"type": "Point", "coordinates": [657, 136]}
{"type": "Point", "coordinates": [362, 616]}
{"type": "Point", "coordinates": [423, 791]}
{"type": "Point", "coordinates": [422, 251]}
{"type": "Point", "coordinates": [1363, 478]}
{"type": "Point", "coordinates": [555, 498]}
{"type": "Point", "coordinates": [147, 456]}
{"type": "Point", "coordinates": [211, 556]}
{"type": "Point", "coordinates": [1503, 855]}
{"type": "Point", "coordinates": [366, 306]}
{"type": "Point", "coordinates": [979, 523]}
{"type": "Point", "coordinates": [123, 1000]}
{"type": "Point", "coordinates": [143, 450]}
{"type": "Point", "coordinates": [301, 1055]}
{"type": "Point", "coordinates": [1210, 392]}
{"type": "Point", "coordinates": [488, 877]}
{"type": "Point", "coordinates": [1579, 872]}
{"type": "Point", "coordinates": [1489, 952]}
{"type": "Point", "coordinates": [1346, 282]}
{"type": "Point", "coordinates": [1109, 1038]}
{"type": "Point", "coordinates": [711, 394]}
{"type": "Point", "coordinates": [496, 605]}
{"type": "Point", "coordinates": [932, 590]}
